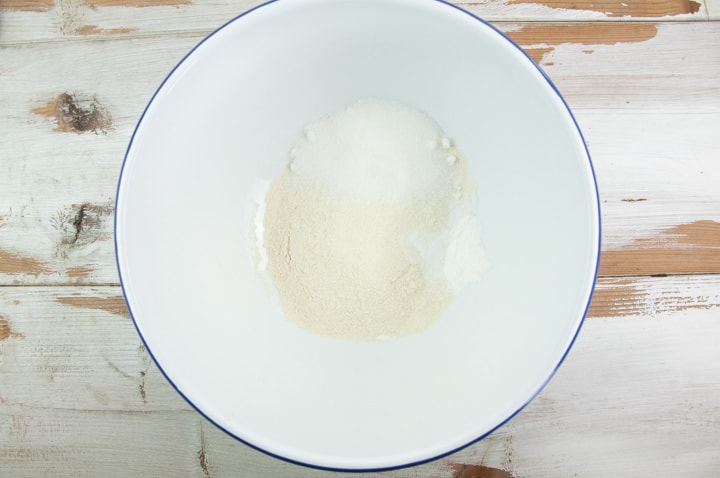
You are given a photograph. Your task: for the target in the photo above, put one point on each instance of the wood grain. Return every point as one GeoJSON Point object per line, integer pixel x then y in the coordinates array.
{"type": "Point", "coordinates": [713, 9]}
{"type": "Point", "coordinates": [74, 113]}
{"type": "Point", "coordinates": [657, 296]}
{"type": "Point", "coordinates": [477, 471]}
{"type": "Point", "coordinates": [27, 5]}
{"type": "Point", "coordinates": [28, 20]}
{"type": "Point", "coordinates": [615, 8]}
{"type": "Point", "coordinates": [135, 3]}
{"type": "Point", "coordinates": [659, 261]}
{"type": "Point", "coordinates": [114, 304]}
{"type": "Point", "coordinates": [586, 33]}
{"type": "Point", "coordinates": [682, 249]}
{"type": "Point", "coordinates": [4, 328]}
{"type": "Point", "coordinates": [39, 442]}
{"type": "Point", "coordinates": [95, 30]}
{"type": "Point", "coordinates": [14, 264]}
{"type": "Point", "coordinates": [78, 347]}
{"type": "Point", "coordinates": [79, 272]}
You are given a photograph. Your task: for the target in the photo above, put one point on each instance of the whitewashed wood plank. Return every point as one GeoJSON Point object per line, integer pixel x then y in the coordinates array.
{"type": "Point", "coordinates": [654, 171]}
{"type": "Point", "coordinates": [568, 10]}
{"type": "Point", "coordinates": [125, 19]}
{"type": "Point", "coordinates": [29, 20]}
{"type": "Point", "coordinates": [637, 396]}
{"type": "Point", "coordinates": [47, 20]}
{"type": "Point", "coordinates": [37, 442]}
{"type": "Point", "coordinates": [102, 18]}
{"type": "Point", "coordinates": [713, 8]}
{"type": "Point", "coordinates": [60, 170]}
{"type": "Point", "coordinates": [634, 66]}
{"type": "Point", "coordinates": [656, 297]}
{"type": "Point", "coordinates": [76, 348]}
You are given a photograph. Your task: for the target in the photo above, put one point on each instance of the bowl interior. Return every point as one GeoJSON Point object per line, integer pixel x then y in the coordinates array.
{"type": "Point", "coordinates": [221, 125]}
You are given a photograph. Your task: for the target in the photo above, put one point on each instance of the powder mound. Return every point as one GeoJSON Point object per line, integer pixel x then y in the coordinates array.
{"type": "Point", "coordinates": [372, 227]}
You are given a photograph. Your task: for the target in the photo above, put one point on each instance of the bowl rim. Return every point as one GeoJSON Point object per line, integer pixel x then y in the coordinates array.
{"type": "Point", "coordinates": [434, 457]}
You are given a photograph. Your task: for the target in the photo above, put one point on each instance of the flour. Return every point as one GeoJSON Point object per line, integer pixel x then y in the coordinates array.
{"type": "Point", "coordinates": [371, 230]}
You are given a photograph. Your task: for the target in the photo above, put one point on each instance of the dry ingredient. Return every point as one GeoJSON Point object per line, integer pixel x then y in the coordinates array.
{"type": "Point", "coordinates": [372, 229]}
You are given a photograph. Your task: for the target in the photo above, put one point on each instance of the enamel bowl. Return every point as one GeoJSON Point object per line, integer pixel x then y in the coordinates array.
{"type": "Point", "coordinates": [222, 123]}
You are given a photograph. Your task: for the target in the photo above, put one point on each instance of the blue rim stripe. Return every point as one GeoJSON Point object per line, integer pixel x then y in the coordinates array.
{"type": "Point", "coordinates": [415, 463]}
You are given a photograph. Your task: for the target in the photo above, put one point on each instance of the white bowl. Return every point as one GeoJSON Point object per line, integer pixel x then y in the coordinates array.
{"type": "Point", "coordinates": [224, 120]}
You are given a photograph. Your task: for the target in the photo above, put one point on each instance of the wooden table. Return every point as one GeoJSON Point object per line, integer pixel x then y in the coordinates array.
{"type": "Point", "coordinates": [639, 395]}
